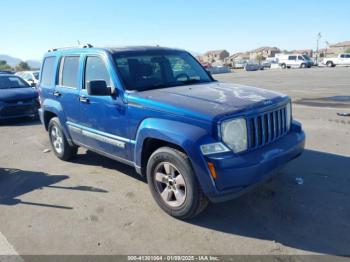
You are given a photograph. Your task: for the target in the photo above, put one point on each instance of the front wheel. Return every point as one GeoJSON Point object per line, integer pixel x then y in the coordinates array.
{"type": "Point", "coordinates": [303, 66]}
{"type": "Point", "coordinates": [284, 66]}
{"type": "Point", "coordinates": [173, 184]}
{"type": "Point", "coordinates": [62, 149]}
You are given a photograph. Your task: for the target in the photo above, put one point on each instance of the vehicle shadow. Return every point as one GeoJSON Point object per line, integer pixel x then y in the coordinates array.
{"type": "Point", "coordinates": [93, 159]}
{"type": "Point", "coordinates": [312, 216]}
{"type": "Point", "coordinates": [24, 121]}
{"type": "Point", "coordinates": [15, 183]}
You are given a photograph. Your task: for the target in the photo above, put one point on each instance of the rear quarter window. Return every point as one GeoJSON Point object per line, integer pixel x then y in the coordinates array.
{"type": "Point", "coordinates": [47, 74]}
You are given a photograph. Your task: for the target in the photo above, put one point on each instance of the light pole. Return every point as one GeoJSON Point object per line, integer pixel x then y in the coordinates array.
{"type": "Point", "coordinates": [319, 36]}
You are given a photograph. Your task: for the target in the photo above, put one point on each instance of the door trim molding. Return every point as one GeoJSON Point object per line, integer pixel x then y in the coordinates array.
{"type": "Point", "coordinates": [99, 135]}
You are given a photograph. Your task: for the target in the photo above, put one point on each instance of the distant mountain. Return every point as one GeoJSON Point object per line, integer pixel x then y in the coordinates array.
{"type": "Point", "coordinates": [34, 63]}
{"type": "Point", "coordinates": [13, 61]}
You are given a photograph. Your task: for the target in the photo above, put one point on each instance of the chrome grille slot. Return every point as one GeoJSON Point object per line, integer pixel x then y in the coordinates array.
{"type": "Point", "coordinates": [266, 127]}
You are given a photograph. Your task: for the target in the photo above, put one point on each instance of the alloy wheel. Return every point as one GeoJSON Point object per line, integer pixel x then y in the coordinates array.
{"type": "Point", "coordinates": [57, 139]}
{"type": "Point", "coordinates": [170, 184]}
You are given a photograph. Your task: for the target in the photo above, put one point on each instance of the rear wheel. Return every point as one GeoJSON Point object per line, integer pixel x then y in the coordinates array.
{"type": "Point", "coordinates": [62, 149]}
{"type": "Point", "coordinates": [330, 64]}
{"type": "Point", "coordinates": [173, 184]}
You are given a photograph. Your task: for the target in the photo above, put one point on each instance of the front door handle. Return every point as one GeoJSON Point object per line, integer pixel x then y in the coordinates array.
{"type": "Point", "coordinates": [84, 99]}
{"type": "Point", "coordinates": [56, 93]}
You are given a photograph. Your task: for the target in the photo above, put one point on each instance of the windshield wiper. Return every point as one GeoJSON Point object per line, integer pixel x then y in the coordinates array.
{"type": "Point", "coordinates": [194, 81]}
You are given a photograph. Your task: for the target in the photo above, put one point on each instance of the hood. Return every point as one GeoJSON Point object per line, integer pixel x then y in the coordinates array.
{"type": "Point", "coordinates": [209, 100]}
{"type": "Point", "coordinates": [22, 93]}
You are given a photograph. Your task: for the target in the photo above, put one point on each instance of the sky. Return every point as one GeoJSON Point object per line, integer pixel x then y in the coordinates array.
{"type": "Point", "coordinates": [30, 27]}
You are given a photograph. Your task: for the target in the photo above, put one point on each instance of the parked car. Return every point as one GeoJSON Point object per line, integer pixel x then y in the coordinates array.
{"type": "Point", "coordinates": [253, 66]}
{"type": "Point", "coordinates": [31, 77]}
{"type": "Point", "coordinates": [266, 64]}
{"type": "Point", "coordinates": [341, 60]}
{"type": "Point", "coordinates": [17, 98]}
{"type": "Point", "coordinates": [294, 60]}
{"type": "Point", "coordinates": [159, 111]}
{"type": "Point", "coordinates": [239, 64]}
{"type": "Point", "coordinates": [219, 70]}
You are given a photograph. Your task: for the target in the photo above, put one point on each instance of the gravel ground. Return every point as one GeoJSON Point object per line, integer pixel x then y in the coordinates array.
{"type": "Point", "coordinates": [94, 205]}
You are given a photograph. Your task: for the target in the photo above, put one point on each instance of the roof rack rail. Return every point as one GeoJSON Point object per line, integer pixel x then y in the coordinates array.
{"type": "Point", "coordinates": [70, 47]}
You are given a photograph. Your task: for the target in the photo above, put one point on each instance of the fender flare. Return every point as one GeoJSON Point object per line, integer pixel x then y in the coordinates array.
{"type": "Point", "coordinates": [56, 108]}
{"type": "Point", "coordinates": [187, 136]}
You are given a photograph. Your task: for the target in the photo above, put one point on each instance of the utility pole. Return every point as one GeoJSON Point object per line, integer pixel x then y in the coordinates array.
{"type": "Point", "coordinates": [327, 46]}
{"type": "Point", "coordinates": [319, 36]}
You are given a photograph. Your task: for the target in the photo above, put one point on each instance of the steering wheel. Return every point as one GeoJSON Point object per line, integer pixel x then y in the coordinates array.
{"type": "Point", "coordinates": [180, 77]}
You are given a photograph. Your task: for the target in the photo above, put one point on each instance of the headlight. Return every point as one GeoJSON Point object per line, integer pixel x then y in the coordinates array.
{"type": "Point", "coordinates": [288, 115]}
{"type": "Point", "coordinates": [234, 134]}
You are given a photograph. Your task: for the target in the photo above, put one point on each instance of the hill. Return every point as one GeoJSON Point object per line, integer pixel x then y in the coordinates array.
{"type": "Point", "coordinates": [13, 61]}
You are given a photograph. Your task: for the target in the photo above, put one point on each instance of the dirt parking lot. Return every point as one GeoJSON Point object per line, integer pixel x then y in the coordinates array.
{"type": "Point", "coordinates": [94, 205]}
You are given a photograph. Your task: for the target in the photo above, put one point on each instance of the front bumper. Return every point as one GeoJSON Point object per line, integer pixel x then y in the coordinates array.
{"type": "Point", "coordinates": [237, 174]}
{"type": "Point", "coordinates": [11, 110]}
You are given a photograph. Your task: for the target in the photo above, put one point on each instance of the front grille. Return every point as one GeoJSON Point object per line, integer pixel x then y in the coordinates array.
{"type": "Point", "coordinates": [17, 110]}
{"type": "Point", "coordinates": [266, 127]}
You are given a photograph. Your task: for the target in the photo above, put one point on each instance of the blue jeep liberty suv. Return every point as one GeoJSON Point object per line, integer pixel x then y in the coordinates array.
{"type": "Point", "coordinates": [158, 110]}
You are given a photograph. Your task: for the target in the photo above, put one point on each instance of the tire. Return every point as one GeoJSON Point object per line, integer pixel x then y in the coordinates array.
{"type": "Point", "coordinates": [330, 64]}
{"type": "Point", "coordinates": [284, 66]}
{"type": "Point", "coordinates": [303, 65]}
{"type": "Point", "coordinates": [173, 184]}
{"type": "Point", "coordinates": [60, 146]}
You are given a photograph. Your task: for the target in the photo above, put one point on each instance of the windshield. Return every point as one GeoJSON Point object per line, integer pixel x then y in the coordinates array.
{"type": "Point", "coordinates": [11, 82]}
{"type": "Point", "coordinates": [145, 70]}
{"type": "Point", "coordinates": [36, 75]}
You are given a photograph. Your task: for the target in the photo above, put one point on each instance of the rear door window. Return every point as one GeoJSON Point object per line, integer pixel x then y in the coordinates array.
{"type": "Point", "coordinates": [69, 70]}
{"type": "Point", "coordinates": [292, 57]}
{"type": "Point", "coordinates": [48, 71]}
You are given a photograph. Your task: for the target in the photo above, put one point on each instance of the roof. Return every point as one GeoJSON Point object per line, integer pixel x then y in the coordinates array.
{"type": "Point", "coordinates": [111, 49]}
{"type": "Point", "coordinates": [139, 48]}
{"type": "Point", "coordinates": [217, 52]}
{"type": "Point", "coordinates": [239, 54]}
{"type": "Point", "coordinates": [260, 49]}
{"type": "Point", "coordinates": [8, 75]}
{"type": "Point", "coordinates": [341, 44]}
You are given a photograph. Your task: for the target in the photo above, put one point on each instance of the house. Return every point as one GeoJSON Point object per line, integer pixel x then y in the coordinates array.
{"type": "Point", "coordinates": [264, 52]}
{"type": "Point", "coordinates": [213, 56]}
{"type": "Point", "coordinates": [230, 61]}
{"type": "Point", "coordinates": [308, 52]}
{"type": "Point", "coordinates": [338, 48]}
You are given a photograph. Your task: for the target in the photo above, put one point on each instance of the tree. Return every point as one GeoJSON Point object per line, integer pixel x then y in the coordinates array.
{"type": "Point", "coordinates": [22, 66]}
{"type": "Point", "coordinates": [260, 58]}
{"type": "Point", "coordinates": [5, 66]}
{"type": "Point", "coordinates": [347, 50]}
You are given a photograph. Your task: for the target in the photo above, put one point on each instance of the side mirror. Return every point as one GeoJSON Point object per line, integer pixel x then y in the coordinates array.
{"type": "Point", "coordinates": [98, 88]}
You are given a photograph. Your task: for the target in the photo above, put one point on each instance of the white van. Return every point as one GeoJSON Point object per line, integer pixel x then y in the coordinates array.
{"type": "Point", "coordinates": [294, 60]}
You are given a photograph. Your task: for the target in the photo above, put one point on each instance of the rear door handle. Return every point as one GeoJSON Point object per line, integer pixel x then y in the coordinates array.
{"type": "Point", "coordinates": [56, 93]}
{"type": "Point", "coordinates": [84, 99]}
